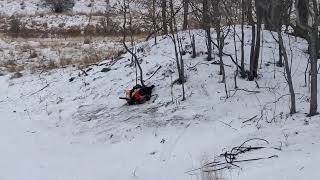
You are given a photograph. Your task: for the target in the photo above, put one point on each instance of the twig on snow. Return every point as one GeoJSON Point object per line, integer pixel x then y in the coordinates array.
{"type": "Point", "coordinates": [39, 90]}
{"type": "Point", "coordinates": [250, 119]}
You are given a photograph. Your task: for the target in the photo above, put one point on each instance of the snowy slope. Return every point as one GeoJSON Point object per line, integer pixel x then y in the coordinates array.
{"type": "Point", "coordinates": [33, 7]}
{"type": "Point", "coordinates": [55, 129]}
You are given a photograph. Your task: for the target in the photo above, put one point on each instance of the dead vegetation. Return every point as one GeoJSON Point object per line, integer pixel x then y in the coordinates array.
{"type": "Point", "coordinates": [31, 27]}
{"type": "Point", "coordinates": [11, 66]}
{"type": "Point", "coordinates": [49, 54]}
{"type": "Point", "coordinates": [235, 157]}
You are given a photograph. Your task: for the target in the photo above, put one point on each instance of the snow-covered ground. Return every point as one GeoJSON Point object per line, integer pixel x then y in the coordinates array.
{"type": "Point", "coordinates": [33, 7]}
{"type": "Point", "coordinates": [55, 129]}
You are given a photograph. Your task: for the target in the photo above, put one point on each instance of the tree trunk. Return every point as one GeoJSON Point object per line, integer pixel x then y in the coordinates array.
{"type": "Point", "coordinates": [253, 40]}
{"type": "Point", "coordinates": [164, 16]}
{"type": "Point", "coordinates": [173, 36]}
{"type": "Point", "coordinates": [243, 71]}
{"type": "Point", "coordinates": [258, 45]}
{"type": "Point", "coordinates": [185, 14]}
{"type": "Point", "coordinates": [270, 11]}
{"type": "Point", "coordinates": [154, 20]}
{"type": "Point", "coordinates": [302, 11]}
{"type": "Point", "coordinates": [207, 26]}
{"type": "Point", "coordinates": [313, 46]}
{"type": "Point", "coordinates": [280, 62]}
{"type": "Point", "coordinates": [303, 14]}
{"type": "Point", "coordinates": [194, 53]}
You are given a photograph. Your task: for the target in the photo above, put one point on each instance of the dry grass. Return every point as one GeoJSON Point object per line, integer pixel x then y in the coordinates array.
{"type": "Point", "coordinates": [51, 65]}
{"type": "Point", "coordinates": [211, 175]}
{"type": "Point", "coordinates": [35, 57]}
{"type": "Point", "coordinates": [64, 62]}
{"type": "Point", "coordinates": [90, 57]}
{"type": "Point", "coordinates": [11, 66]}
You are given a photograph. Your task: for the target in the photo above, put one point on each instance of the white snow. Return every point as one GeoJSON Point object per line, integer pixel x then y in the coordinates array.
{"type": "Point", "coordinates": [55, 129]}
{"type": "Point", "coordinates": [33, 7]}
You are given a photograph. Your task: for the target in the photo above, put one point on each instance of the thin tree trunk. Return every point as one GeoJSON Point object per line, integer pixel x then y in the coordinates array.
{"type": "Point", "coordinates": [154, 20]}
{"type": "Point", "coordinates": [257, 48]}
{"type": "Point", "coordinates": [253, 40]}
{"type": "Point", "coordinates": [207, 26]}
{"type": "Point", "coordinates": [125, 6]}
{"type": "Point", "coordinates": [314, 58]}
{"type": "Point", "coordinates": [280, 62]}
{"type": "Point", "coordinates": [288, 74]}
{"type": "Point", "coordinates": [164, 16]}
{"type": "Point", "coordinates": [243, 71]}
{"type": "Point", "coordinates": [236, 54]}
{"type": "Point", "coordinates": [185, 14]}
{"type": "Point", "coordinates": [172, 32]}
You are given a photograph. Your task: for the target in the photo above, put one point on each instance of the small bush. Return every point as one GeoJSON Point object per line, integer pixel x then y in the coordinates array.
{"type": "Point", "coordinates": [11, 66]}
{"type": "Point", "coordinates": [59, 6]}
{"type": "Point", "coordinates": [87, 40]}
{"type": "Point", "coordinates": [14, 26]}
{"type": "Point", "coordinates": [16, 75]}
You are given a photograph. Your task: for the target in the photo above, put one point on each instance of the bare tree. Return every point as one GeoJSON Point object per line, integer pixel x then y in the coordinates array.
{"type": "Point", "coordinates": [288, 74]}
{"type": "Point", "coordinates": [307, 24]}
{"type": "Point", "coordinates": [285, 57]}
{"type": "Point", "coordinates": [126, 10]}
{"type": "Point", "coordinates": [177, 42]}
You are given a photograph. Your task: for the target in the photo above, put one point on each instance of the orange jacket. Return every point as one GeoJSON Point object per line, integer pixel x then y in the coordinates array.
{"type": "Point", "coordinates": [135, 95]}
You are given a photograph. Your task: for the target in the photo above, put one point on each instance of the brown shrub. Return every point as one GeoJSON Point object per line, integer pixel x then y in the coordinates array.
{"type": "Point", "coordinates": [11, 66]}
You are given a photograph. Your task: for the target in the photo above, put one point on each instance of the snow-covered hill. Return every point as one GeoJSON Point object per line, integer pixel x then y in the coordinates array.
{"type": "Point", "coordinates": [52, 128]}
{"type": "Point", "coordinates": [33, 7]}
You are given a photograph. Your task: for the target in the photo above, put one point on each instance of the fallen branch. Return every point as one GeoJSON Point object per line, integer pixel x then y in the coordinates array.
{"type": "Point", "coordinates": [39, 90]}
{"type": "Point", "coordinates": [230, 157]}
{"type": "Point", "coordinates": [153, 74]}
{"type": "Point", "coordinates": [228, 125]}
{"type": "Point", "coordinates": [246, 90]}
{"type": "Point", "coordinates": [218, 63]}
{"type": "Point", "coordinates": [250, 119]}
{"type": "Point", "coordinates": [199, 63]}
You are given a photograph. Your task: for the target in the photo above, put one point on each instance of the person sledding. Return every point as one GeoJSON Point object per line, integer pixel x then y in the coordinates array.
{"type": "Point", "coordinates": [138, 94]}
